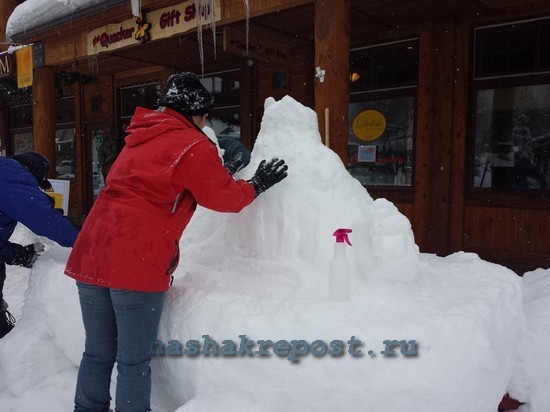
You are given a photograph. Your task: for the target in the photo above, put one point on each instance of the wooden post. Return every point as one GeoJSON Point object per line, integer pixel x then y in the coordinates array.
{"type": "Point", "coordinates": [438, 189]}
{"type": "Point", "coordinates": [332, 47]}
{"type": "Point", "coordinates": [43, 114]}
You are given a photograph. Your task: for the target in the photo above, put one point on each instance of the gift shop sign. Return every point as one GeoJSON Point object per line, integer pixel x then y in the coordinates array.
{"type": "Point", "coordinates": [159, 24]}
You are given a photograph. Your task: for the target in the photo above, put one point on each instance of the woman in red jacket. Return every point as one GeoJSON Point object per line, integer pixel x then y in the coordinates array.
{"type": "Point", "coordinates": [128, 247]}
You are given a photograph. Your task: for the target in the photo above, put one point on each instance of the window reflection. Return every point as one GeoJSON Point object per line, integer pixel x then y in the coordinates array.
{"type": "Point", "coordinates": [512, 138]}
{"type": "Point", "coordinates": [225, 119]}
{"type": "Point", "coordinates": [106, 146]}
{"type": "Point", "coordinates": [382, 157]}
{"type": "Point", "coordinates": [383, 82]}
{"type": "Point", "coordinates": [65, 153]}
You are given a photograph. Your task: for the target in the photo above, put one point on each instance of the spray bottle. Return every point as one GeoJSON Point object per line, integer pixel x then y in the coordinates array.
{"type": "Point", "coordinates": [340, 270]}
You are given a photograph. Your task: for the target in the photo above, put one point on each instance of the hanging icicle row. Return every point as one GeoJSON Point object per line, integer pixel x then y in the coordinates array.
{"type": "Point", "coordinates": [208, 6]}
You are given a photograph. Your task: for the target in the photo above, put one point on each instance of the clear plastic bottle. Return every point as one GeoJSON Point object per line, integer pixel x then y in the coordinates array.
{"type": "Point", "coordinates": [339, 276]}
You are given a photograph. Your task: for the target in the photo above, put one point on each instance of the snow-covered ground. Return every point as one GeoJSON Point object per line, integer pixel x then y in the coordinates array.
{"type": "Point", "coordinates": [478, 329]}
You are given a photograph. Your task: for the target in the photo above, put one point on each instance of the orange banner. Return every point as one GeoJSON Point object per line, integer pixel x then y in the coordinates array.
{"type": "Point", "coordinates": [23, 59]}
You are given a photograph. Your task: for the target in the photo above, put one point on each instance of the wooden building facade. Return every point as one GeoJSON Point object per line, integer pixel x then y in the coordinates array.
{"type": "Point", "coordinates": [442, 107]}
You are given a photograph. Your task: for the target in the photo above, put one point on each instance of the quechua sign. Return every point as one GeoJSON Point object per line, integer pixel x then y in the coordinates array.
{"type": "Point", "coordinates": [155, 25]}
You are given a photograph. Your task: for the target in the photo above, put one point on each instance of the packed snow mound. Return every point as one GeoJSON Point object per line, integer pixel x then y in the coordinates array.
{"type": "Point", "coordinates": [262, 275]}
{"type": "Point", "coordinates": [463, 313]}
{"type": "Point", "coordinates": [530, 380]}
{"type": "Point", "coordinates": [295, 219]}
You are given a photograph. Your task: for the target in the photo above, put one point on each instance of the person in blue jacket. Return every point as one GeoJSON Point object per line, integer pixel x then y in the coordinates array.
{"type": "Point", "coordinates": [22, 199]}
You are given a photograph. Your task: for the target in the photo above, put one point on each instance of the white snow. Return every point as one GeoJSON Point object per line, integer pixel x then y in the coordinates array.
{"type": "Point", "coordinates": [263, 273]}
{"type": "Point", "coordinates": [35, 13]}
{"type": "Point", "coordinates": [530, 380]}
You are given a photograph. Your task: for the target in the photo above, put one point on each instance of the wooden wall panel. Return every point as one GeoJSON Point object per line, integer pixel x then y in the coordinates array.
{"type": "Point", "coordinates": [424, 125]}
{"type": "Point", "coordinates": [299, 78]}
{"type": "Point", "coordinates": [302, 74]}
{"type": "Point", "coordinates": [508, 235]}
{"type": "Point", "coordinates": [543, 243]}
{"type": "Point", "coordinates": [266, 72]}
{"type": "Point", "coordinates": [234, 9]}
{"type": "Point", "coordinates": [99, 104]}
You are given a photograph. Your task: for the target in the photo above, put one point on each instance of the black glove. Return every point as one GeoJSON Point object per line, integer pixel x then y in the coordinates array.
{"type": "Point", "coordinates": [268, 174]}
{"type": "Point", "coordinates": [25, 255]}
{"type": "Point", "coordinates": [235, 164]}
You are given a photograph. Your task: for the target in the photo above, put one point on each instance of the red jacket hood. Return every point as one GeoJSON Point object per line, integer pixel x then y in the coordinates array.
{"type": "Point", "coordinates": [147, 124]}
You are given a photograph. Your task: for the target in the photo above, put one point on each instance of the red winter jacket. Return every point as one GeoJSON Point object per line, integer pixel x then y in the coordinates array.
{"type": "Point", "coordinates": [130, 240]}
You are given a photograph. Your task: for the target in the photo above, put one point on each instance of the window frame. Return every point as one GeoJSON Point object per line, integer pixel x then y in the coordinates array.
{"type": "Point", "coordinates": [498, 196]}
{"type": "Point", "coordinates": [401, 193]}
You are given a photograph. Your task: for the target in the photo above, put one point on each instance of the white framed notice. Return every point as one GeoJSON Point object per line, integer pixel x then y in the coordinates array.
{"type": "Point", "coordinates": [366, 153]}
{"type": "Point", "coordinates": [63, 187]}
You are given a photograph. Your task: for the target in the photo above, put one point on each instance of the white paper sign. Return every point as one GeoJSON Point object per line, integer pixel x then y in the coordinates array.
{"type": "Point", "coordinates": [63, 187]}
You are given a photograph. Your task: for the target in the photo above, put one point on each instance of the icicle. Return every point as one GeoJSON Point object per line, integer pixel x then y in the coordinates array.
{"type": "Point", "coordinates": [247, 8]}
{"type": "Point", "coordinates": [213, 24]}
{"type": "Point", "coordinates": [136, 7]}
{"type": "Point", "coordinates": [198, 16]}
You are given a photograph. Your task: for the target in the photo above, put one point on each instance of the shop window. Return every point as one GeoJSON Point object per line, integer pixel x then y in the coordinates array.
{"type": "Point", "coordinates": [65, 110]}
{"type": "Point", "coordinates": [21, 128]}
{"type": "Point", "coordinates": [144, 95]}
{"type": "Point", "coordinates": [225, 119]}
{"type": "Point", "coordinates": [21, 116]}
{"type": "Point", "coordinates": [511, 94]}
{"type": "Point", "coordinates": [381, 114]}
{"type": "Point", "coordinates": [105, 145]}
{"type": "Point", "coordinates": [512, 49]}
{"type": "Point", "coordinates": [65, 132]}
{"type": "Point", "coordinates": [22, 141]}
{"type": "Point", "coordinates": [65, 153]}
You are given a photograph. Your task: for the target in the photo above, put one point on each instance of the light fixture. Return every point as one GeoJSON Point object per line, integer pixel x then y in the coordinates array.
{"type": "Point", "coordinates": [354, 77]}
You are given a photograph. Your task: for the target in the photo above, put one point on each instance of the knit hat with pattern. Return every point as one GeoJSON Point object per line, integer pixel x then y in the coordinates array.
{"type": "Point", "coordinates": [186, 94]}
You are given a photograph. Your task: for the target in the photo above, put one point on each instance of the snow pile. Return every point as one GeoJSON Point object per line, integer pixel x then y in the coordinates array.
{"type": "Point", "coordinates": [530, 380]}
{"type": "Point", "coordinates": [35, 13]}
{"type": "Point", "coordinates": [262, 274]}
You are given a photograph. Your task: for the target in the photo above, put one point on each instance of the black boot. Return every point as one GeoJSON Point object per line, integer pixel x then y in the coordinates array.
{"type": "Point", "coordinates": [7, 321]}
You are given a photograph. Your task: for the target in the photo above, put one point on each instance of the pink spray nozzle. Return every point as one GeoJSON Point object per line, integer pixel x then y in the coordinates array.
{"type": "Point", "coordinates": [342, 235]}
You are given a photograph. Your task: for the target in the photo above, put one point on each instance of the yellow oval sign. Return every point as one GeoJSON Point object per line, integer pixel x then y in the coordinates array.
{"type": "Point", "coordinates": [369, 125]}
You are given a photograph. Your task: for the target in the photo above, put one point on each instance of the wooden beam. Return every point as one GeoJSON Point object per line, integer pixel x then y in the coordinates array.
{"type": "Point", "coordinates": [233, 10]}
{"type": "Point", "coordinates": [458, 143]}
{"type": "Point", "coordinates": [332, 43]}
{"type": "Point", "coordinates": [43, 114]}
{"type": "Point", "coordinates": [441, 140]}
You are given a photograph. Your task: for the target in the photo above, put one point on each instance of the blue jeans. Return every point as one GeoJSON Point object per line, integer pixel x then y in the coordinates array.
{"type": "Point", "coordinates": [119, 324]}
